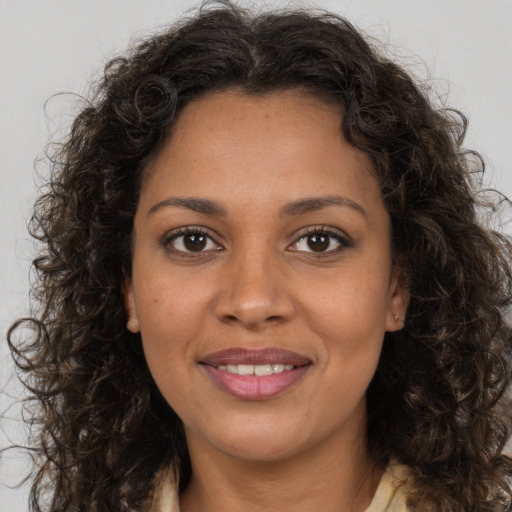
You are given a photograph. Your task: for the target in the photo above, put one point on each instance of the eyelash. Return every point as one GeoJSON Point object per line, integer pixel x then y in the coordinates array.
{"type": "Point", "coordinates": [343, 241]}
{"type": "Point", "coordinates": [169, 238]}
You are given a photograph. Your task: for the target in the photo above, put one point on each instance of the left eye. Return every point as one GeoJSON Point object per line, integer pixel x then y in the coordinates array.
{"type": "Point", "coordinates": [191, 242]}
{"type": "Point", "coordinates": [320, 242]}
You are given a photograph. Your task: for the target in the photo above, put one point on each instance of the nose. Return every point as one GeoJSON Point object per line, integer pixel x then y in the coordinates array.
{"type": "Point", "coordinates": [254, 293]}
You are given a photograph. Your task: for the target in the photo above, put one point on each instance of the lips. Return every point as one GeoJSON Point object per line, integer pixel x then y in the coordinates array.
{"type": "Point", "coordinates": [255, 357]}
{"type": "Point", "coordinates": [255, 374]}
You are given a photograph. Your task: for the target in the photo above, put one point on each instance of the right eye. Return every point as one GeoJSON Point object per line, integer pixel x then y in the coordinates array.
{"type": "Point", "coordinates": [190, 241]}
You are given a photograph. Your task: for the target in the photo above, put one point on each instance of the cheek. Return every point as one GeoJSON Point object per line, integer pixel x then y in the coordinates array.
{"type": "Point", "coordinates": [349, 317]}
{"type": "Point", "coordinates": [169, 319]}
{"type": "Point", "coordinates": [169, 303]}
{"type": "Point", "coordinates": [171, 323]}
{"type": "Point", "coordinates": [349, 308]}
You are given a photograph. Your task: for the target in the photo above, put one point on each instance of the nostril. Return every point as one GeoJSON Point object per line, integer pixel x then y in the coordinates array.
{"type": "Point", "coordinates": [252, 323]}
{"type": "Point", "coordinates": [254, 303]}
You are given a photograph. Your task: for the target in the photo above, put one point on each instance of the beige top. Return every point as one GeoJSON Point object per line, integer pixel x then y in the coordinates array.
{"type": "Point", "coordinates": [390, 496]}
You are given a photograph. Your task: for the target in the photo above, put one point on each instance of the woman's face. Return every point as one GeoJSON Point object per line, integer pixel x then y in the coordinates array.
{"type": "Point", "coordinates": [262, 280]}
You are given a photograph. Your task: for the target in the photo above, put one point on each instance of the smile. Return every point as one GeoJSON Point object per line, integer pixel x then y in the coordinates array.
{"type": "Point", "coordinates": [255, 369]}
{"type": "Point", "coordinates": [255, 374]}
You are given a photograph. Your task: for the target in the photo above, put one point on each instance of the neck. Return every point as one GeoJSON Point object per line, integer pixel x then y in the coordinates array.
{"type": "Point", "coordinates": [324, 479]}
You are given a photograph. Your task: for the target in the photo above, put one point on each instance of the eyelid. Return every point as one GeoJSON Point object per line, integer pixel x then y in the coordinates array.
{"type": "Point", "coordinates": [344, 240]}
{"type": "Point", "coordinates": [173, 234]}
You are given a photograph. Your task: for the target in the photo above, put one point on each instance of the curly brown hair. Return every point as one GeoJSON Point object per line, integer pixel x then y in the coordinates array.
{"type": "Point", "coordinates": [437, 400]}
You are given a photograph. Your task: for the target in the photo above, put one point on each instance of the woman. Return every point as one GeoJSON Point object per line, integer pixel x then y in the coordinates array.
{"type": "Point", "coordinates": [265, 285]}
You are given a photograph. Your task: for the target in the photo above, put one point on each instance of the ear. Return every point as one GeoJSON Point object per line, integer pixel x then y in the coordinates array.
{"type": "Point", "coordinates": [132, 322]}
{"type": "Point", "coordinates": [398, 301]}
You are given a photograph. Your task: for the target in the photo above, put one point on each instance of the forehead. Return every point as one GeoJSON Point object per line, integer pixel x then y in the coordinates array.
{"type": "Point", "coordinates": [236, 116]}
{"type": "Point", "coordinates": [283, 145]}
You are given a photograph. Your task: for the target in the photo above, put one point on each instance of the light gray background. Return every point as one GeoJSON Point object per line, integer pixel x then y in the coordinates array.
{"type": "Point", "coordinates": [464, 47]}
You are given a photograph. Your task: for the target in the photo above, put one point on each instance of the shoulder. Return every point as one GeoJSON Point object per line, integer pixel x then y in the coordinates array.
{"type": "Point", "coordinates": [393, 490]}
{"type": "Point", "coordinates": [164, 495]}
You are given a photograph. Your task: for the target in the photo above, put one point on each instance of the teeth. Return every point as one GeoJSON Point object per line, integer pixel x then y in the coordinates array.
{"type": "Point", "coordinates": [255, 369]}
{"type": "Point", "coordinates": [262, 369]}
{"type": "Point", "coordinates": [245, 369]}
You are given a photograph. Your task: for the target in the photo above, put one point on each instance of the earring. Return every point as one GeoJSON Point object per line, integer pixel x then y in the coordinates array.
{"type": "Point", "coordinates": [395, 317]}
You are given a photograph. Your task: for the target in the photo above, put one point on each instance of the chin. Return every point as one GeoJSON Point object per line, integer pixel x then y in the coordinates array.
{"type": "Point", "coordinates": [264, 442]}
{"type": "Point", "coordinates": [262, 451]}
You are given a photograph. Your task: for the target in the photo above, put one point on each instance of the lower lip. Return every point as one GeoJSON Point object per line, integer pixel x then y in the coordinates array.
{"type": "Point", "coordinates": [252, 387]}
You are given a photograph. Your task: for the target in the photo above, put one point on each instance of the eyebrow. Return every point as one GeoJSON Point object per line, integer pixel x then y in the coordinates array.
{"type": "Point", "coordinates": [196, 204]}
{"type": "Point", "coordinates": [298, 207]}
{"type": "Point", "coordinates": [313, 204]}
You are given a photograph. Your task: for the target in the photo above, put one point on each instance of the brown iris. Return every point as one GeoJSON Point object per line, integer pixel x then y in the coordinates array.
{"type": "Point", "coordinates": [318, 242]}
{"type": "Point", "coordinates": [194, 242]}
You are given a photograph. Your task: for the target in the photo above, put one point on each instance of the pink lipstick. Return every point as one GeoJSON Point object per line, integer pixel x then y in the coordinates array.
{"type": "Point", "coordinates": [255, 374]}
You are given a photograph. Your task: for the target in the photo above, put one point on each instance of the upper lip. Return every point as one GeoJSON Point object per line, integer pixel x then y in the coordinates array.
{"type": "Point", "coordinates": [254, 356]}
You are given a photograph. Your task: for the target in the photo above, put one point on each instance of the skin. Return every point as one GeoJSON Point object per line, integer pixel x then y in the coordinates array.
{"type": "Point", "coordinates": [257, 283]}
